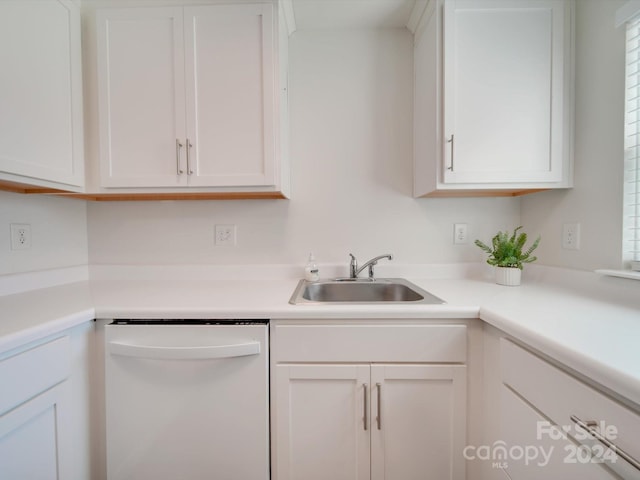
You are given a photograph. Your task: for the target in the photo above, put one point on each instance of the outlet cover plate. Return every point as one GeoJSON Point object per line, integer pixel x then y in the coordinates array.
{"type": "Point", "coordinates": [20, 236]}
{"type": "Point", "coordinates": [225, 235]}
{"type": "Point", "coordinates": [460, 234]}
{"type": "Point", "coordinates": [571, 236]}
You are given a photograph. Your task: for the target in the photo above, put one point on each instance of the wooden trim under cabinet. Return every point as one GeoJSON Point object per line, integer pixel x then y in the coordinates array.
{"type": "Point", "coordinates": [142, 197]}
{"type": "Point", "coordinates": [453, 193]}
{"type": "Point", "coordinates": [133, 197]}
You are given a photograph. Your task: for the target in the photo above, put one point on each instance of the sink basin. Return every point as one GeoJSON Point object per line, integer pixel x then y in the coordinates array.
{"type": "Point", "coordinates": [361, 291]}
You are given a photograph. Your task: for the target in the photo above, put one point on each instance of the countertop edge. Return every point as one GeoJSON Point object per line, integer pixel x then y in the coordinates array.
{"type": "Point", "coordinates": [23, 337]}
{"type": "Point", "coordinates": [623, 387]}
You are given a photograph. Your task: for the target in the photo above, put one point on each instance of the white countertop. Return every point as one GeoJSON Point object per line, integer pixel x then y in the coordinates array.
{"type": "Point", "coordinates": [589, 323]}
{"type": "Point", "coordinates": [30, 316]}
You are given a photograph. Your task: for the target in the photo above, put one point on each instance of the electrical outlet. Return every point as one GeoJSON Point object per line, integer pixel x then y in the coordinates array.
{"type": "Point", "coordinates": [225, 235]}
{"type": "Point", "coordinates": [571, 236]}
{"type": "Point", "coordinates": [460, 233]}
{"type": "Point", "coordinates": [20, 236]}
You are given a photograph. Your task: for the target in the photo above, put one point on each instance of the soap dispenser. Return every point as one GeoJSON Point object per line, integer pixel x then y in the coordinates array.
{"type": "Point", "coordinates": [311, 272]}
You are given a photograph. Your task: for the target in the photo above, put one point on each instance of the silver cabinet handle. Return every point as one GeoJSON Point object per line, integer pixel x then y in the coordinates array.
{"type": "Point", "coordinates": [365, 408]}
{"type": "Point", "coordinates": [178, 147]}
{"type": "Point", "coordinates": [452, 144]}
{"type": "Point", "coordinates": [379, 417]}
{"type": "Point", "coordinates": [189, 169]}
{"type": "Point", "coordinates": [588, 427]}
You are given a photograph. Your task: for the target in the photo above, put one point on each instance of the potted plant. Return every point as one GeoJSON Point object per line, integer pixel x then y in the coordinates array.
{"type": "Point", "coordinates": [507, 254]}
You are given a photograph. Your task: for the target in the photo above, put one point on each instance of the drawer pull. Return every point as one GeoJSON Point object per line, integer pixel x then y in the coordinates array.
{"type": "Point", "coordinates": [179, 170]}
{"type": "Point", "coordinates": [451, 142]}
{"type": "Point", "coordinates": [379, 417]}
{"type": "Point", "coordinates": [589, 427]}
{"type": "Point", "coordinates": [189, 169]}
{"type": "Point", "coordinates": [365, 388]}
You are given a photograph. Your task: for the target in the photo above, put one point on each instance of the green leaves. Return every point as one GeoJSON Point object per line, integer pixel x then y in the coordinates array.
{"type": "Point", "coordinates": [507, 251]}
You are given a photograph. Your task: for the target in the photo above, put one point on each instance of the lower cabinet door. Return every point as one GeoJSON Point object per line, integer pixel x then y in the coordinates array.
{"type": "Point", "coordinates": [322, 422]}
{"type": "Point", "coordinates": [418, 417]}
{"type": "Point", "coordinates": [31, 441]}
{"type": "Point", "coordinates": [532, 448]}
{"type": "Point", "coordinates": [369, 421]}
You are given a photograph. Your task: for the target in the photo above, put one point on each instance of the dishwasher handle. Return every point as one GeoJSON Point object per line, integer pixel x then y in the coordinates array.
{"type": "Point", "coordinates": [206, 352]}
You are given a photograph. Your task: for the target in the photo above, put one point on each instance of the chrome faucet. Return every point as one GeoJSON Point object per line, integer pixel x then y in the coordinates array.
{"type": "Point", "coordinates": [353, 265]}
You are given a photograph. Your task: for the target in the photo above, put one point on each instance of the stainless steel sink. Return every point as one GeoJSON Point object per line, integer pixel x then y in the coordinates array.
{"type": "Point", "coordinates": [361, 291]}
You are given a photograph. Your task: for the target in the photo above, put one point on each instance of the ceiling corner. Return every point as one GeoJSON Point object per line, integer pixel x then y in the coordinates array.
{"type": "Point", "coordinates": [419, 7]}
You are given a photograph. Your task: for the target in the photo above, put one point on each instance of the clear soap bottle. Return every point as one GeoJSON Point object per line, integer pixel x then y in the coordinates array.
{"type": "Point", "coordinates": [311, 272]}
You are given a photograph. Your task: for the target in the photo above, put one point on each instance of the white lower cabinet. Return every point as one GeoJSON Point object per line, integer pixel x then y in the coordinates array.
{"type": "Point", "coordinates": [321, 413]}
{"type": "Point", "coordinates": [542, 415]}
{"type": "Point", "coordinates": [543, 455]}
{"type": "Point", "coordinates": [30, 442]}
{"type": "Point", "coordinates": [419, 424]}
{"type": "Point", "coordinates": [45, 409]}
{"type": "Point", "coordinates": [369, 419]}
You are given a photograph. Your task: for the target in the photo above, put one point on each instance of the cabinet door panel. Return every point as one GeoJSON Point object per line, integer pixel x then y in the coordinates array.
{"type": "Point", "coordinates": [519, 429]}
{"type": "Point", "coordinates": [30, 439]}
{"type": "Point", "coordinates": [503, 91]}
{"type": "Point", "coordinates": [560, 396]}
{"type": "Point", "coordinates": [422, 421]}
{"type": "Point", "coordinates": [141, 73]}
{"type": "Point", "coordinates": [41, 91]}
{"type": "Point", "coordinates": [229, 69]}
{"type": "Point", "coordinates": [320, 430]}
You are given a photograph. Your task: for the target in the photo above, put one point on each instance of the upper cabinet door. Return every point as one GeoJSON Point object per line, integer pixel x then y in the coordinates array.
{"type": "Point", "coordinates": [505, 76]}
{"type": "Point", "coordinates": [41, 134]}
{"type": "Point", "coordinates": [230, 94]}
{"type": "Point", "coordinates": [141, 97]}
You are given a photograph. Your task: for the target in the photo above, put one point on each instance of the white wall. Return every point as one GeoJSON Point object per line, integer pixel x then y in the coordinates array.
{"type": "Point", "coordinates": [596, 200]}
{"type": "Point", "coordinates": [351, 136]}
{"type": "Point", "coordinates": [58, 231]}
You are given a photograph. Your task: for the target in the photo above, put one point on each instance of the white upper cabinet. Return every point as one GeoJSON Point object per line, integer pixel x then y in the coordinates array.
{"type": "Point", "coordinates": [41, 131]}
{"type": "Point", "coordinates": [187, 96]}
{"type": "Point", "coordinates": [493, 103]}
{"type": "Point", "coordinates": [142, 99]}
{"type": "Point", "coordinates": [230, 95]}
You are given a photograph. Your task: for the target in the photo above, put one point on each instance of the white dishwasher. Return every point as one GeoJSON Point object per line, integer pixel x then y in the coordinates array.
{"type": "Point", "coordinates": [187, 399]}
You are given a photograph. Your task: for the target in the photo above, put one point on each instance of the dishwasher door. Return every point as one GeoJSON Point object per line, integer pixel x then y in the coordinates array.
{"type": "Point", "coordinates": [187, 400]}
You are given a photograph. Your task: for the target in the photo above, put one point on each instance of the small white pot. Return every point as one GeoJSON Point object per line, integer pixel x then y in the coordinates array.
{"type": "Point", "coordinates": [509, 276]}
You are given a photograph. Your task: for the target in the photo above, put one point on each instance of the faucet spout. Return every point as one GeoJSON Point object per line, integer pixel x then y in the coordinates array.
{"type": "Point", "coordinates": [354, 271]}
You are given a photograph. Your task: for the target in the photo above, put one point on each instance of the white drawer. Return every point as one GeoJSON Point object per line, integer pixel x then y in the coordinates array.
{"type": "Point", "coordinates": [370, 343]}
{"type": "Point", "coordinates": [33, 371]}
{"type": "Point", "coordinates": [560, 397]}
